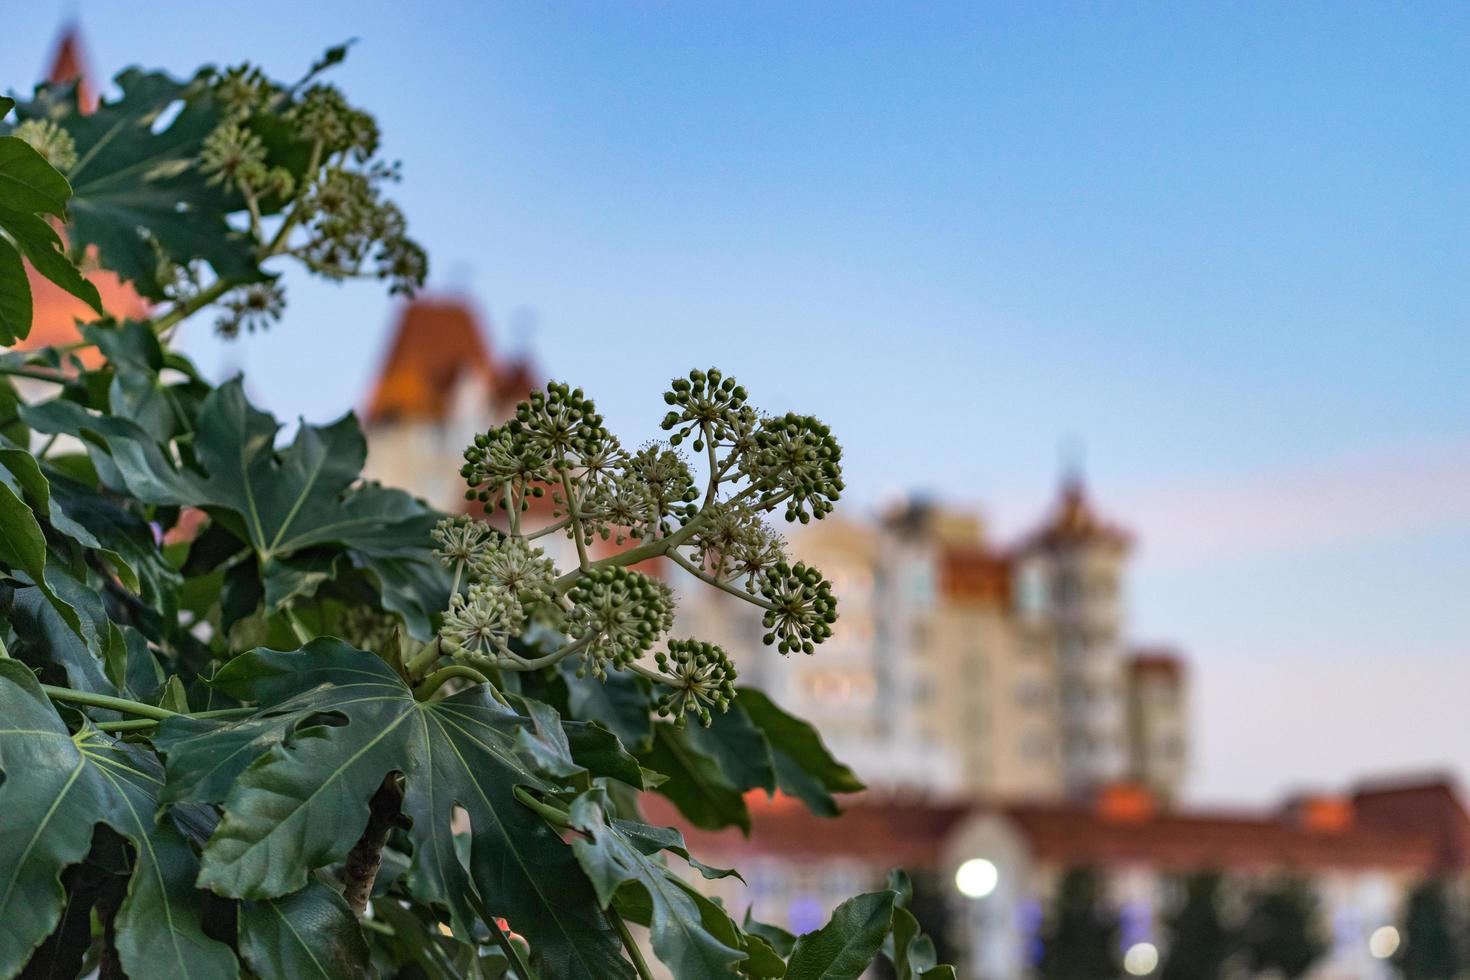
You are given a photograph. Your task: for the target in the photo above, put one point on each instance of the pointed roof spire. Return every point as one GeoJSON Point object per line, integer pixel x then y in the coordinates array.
{"type": "Point", "coordinates": [1074, 520]}
{"type": "Point", "coordinates": [437, 342]}
{"type": "Point", "coordinates": [69, 64]}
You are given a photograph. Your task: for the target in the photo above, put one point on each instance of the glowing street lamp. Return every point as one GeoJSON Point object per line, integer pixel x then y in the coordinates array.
{"type": "Point", "coordinates": [976, 878]}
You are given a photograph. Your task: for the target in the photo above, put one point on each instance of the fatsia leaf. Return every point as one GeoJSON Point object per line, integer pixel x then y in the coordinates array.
{"type": "Point", "coordinates": [288, 505]}
{"type": "Point", "coordinates": [28, 183]}
{"type": "Point", "coordinates": [309, 935]}
{"type": "Point", "coordinates": [846, 946]}
{"type": "Point", "coordinates": [614, 860]}
{"type": "Point", "coordinates": [15, 296]}
{"type": "Point", "coordinates": [56, 787]}
{"type": "Point", "coordinates": [39, 242]}
{"type": "Point", "coordinates": [133, 187]}
{"type": "Point", "coordinates": [696, 784]}
{"type": "Point", "coordinates": [739, 747]}
{"type": "Point", "coordinates": [804, 767]}
{"type": "Point", "coordinates": [295, 780]}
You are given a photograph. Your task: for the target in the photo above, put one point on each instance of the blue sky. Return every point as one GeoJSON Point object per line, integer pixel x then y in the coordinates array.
{"type": "Point", "coordinates": [1224, 247]}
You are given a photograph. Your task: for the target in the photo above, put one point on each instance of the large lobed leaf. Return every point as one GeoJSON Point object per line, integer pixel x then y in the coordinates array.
{"type": "Point", "coordinates": [56, 787]}
{"type": "Point", "coordinates": [136, 190]}
{"type": "Point", "coordinates": [286, 506]}
{"type": "Point", "coordinates": [295, 780]}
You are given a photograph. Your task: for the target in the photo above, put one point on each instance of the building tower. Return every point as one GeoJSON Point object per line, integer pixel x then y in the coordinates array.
{"type": "Point", "coordinates": [1070, 578]}
{"type": "Point", "coordinates": [438, 387]}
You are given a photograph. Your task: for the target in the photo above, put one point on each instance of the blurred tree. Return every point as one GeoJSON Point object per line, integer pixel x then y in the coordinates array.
{"type": "Point", "coordinates": [1429, 950]}
{"type": "Point", "coordinates": [1200, 941]}
{"type": "Point", "coordinates": [1282, 932]}
{"type": "Point", "coordinates": [1080, 935]}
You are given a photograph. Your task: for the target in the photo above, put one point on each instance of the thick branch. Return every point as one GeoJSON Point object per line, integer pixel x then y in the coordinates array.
{"type": "Point", "coordinates": [366, 856]}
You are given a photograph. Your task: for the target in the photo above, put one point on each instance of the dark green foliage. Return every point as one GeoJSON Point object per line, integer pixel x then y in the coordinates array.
{"type": "Point", "coordinates": [1282, 929]}
{"type": "Point", "coordinates": [1429, 948]}
{"type": "Point", "coordinates": [244, 701]}
{"type": "Point", "coordinates": [1199, 940]}
{"type": "Point", "coordinates": [1080, 934]}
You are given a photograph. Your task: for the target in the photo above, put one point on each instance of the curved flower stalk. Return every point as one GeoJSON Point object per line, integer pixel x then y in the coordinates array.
{"type": "Point", "coordinates": [604, 611]}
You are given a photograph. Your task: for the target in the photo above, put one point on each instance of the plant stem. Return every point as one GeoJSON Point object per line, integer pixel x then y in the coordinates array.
{"type": "Point", "coordinates": [186, 308]}
{"type": "Point", "coordinates": [690, 567]}
{"type": "Point", "coordinates": [630, 944]}
{"type": "Point", "coordinates": [511, 951]}
{"type": "Point", "coordinates": [143, 724]}
{"type": "Point", "coordinates": [38, 374]}
{"type": "Point", "coordinates": [424, 659]}
{"type": "Point", "coordinates": [566, 486]}
{"type": "Point", "coordinates": [436, 680]}
{"type": "Point", "coordinates": [514, 662]}
{"type": "Point", "coordinates": [104, 701]}
{"type": "Point", "coordinates": [548, 813]}
{"type": "Point", "coordinates": [360, 869]}
{"type": "Point", "coordinates": [303, 635]}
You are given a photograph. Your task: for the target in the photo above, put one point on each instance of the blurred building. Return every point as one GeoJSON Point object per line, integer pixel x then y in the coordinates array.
{"type": "Point", "coordinates": [985, 872]}
{"type": "Point", "coordinates": [438, 386]}
{"type": "Point", "coordinates": [958, 666]}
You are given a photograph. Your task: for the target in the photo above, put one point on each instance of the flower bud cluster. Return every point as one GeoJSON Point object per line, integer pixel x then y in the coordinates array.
{"type": "Point", "coordinates": [617, 614]}
{"type": "Point", "coordinates": [707, 402]}
{"type": "Point", "coordinates": [251, 307]}
{"type": "Point", "coordinates": [481, 622]}
{"type": "Point", "coordinates": [803, 607]}
{"type": "Point", "coordinates": [797, 455]}
{"type": "Point", "coordinates": [733, 540]}
{"type": "Point", "coordinates": [48, 139]}
{"type": "Point", "coordinates": [461, 540]}
{"type": "Point", "coordinates": [700, 677]}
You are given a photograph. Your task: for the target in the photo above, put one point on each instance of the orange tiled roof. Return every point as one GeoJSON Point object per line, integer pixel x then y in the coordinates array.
{"type": "Point", "coordinates": [437, 342]}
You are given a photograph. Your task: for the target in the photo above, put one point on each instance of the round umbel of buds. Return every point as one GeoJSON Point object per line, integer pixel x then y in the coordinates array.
{"type": "Point", "coordinates": [797, 455]}
{"type": "Point", "coordinates": [803, 607]}
{"type": "Point", "coordinates": [618, 614]}
{"type": "Point", "coordinates": [558, 423]}
{"type": "Point", "coordinates": [461, 539]}
{"type": "Point", "coordinates": [519, 568]}
{"type": "Point", "coordinates": [700, 677]}
{"type": "Point", "coordinates": [481, 622]}
{"type": "Point", "coordinates": [708, 402]}
{"type": "Point", "coordinates": [498, 457]}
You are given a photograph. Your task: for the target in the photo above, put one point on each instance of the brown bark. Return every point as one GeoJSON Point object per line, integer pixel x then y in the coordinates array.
{"type": "Point", "coordinates": [366, 857]}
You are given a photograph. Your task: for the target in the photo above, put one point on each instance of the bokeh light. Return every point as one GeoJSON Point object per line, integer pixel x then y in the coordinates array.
{"type": "Point", "coordinates": [1141, 959]}
{"type": "Point", "coordinates": [976, 878]}
{"type": "Point", "coordinates": [1384, 942]}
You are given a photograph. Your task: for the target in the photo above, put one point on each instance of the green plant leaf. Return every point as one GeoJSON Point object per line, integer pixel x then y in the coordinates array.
{"type": "Point", "coordinates": [740, 748]}
{"type": "Point", "coordinates": [696, 784]}
{"type": "Point", "coordinates": [804, 767]}
{"type": "Point", "coordinates": [297, 776]}
{"type": "Point", "coordinates": [614, 860]}
{"type": "Point", "coordinates": [846, 946]}
{"type": "Point", "coordinates": [15, 296]}
{"type": "Point", "coordinates": [27, 182]}
{"type": "Point", "coordinates": [308, 935]}
{"type": "Point", "coordinates": [56, 787]}
{"type": "Point", "coordinates": [40, 243]}
{"type": "Point", "coordinates": [288, 504]}
{"type": "Point", "coordinates": [132, 187]}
